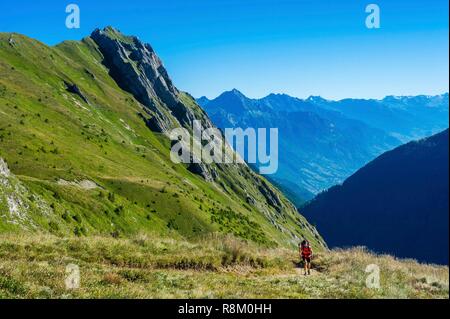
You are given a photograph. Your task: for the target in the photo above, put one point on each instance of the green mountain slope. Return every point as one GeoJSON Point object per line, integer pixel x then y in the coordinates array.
{"type": "Point", "coordinates": [83, 130]}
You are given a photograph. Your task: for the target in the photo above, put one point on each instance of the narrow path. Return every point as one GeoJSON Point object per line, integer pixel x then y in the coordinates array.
{"type": "Point", "coordinates": [301, 271]}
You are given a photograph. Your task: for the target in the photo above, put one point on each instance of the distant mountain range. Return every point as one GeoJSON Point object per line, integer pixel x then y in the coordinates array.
{"type": "Point", "coordinates": [322, 142]}
{"type": "Point", "coordinates": [396, 204]}
{"type": "Point", "coordinates": [405, 117]}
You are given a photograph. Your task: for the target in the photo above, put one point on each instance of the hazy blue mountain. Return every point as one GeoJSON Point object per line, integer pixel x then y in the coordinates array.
{"type": "Point", "coordinates": [396, 204]}
{"type": "Point", "coordinates": [322, 142]}
{"type": "Point", "coordinates": [405, 117]}
{"type": "Point", "coordinates": [202, 101]}
{"type": "Point", "coordinates": [318, 147]}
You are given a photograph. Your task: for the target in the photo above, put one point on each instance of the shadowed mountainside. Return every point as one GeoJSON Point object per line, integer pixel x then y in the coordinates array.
{"type": "Point", "coordinates": [396, 204]}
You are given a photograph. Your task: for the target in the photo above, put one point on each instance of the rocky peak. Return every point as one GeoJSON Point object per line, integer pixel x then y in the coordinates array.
{"type": "Point", "coordinates": [202, 101]}
{"type": "Point", "coordinates": [234, 101]}
{"type": "Point", "coordinates": [137, 69]}
{"type": "Point", "coordinates": [316, 99]}
{"type": "Point", "coordinates": [139, 62]}
{"type": "Point", "coordinates": [237, 94]}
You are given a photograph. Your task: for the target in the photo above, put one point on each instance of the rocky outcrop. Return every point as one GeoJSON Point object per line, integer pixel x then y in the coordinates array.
{"type": "Point", "coordinates": [137, 69]}
{"type": "Point", "coordinates": [271, 196]}
{"type": "Point", "coordinates": [92, 75]}
{"type": "Point", "coordinates": [17, 202]}
{"type": "Point", "coordinates": [250, 200]}
{"type": "Point", "coordinates": [155, 121]}
{"type": "Point", "coordinates": [73, 88]}
{"type": "Point", "coordinates": [208, 172]}
{"type": "Point", "coordinates": [201, 170]}
{"type": "Point", "coordinates": [83, 184]}
{"type": "Point", "coordinates": [11, 41]}
{"type": "Point", "coordinates": [4, 170]}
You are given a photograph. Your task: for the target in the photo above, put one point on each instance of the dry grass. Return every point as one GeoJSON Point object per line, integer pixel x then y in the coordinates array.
{"type": "Point", "coordinates": [399, 278]}
{"type": "Point", "coordinates": [33, 266]}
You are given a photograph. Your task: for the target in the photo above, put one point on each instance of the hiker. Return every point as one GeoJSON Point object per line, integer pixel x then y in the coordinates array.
{"type": "Point", "coordinates": [305, 251]}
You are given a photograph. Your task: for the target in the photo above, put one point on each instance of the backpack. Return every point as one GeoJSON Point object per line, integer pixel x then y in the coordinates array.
{"type": "Point", "coordinates": [306, 249]}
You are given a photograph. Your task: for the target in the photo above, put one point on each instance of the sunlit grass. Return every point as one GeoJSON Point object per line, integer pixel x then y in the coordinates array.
{"type": "Point", "coordinates": [216, 266]}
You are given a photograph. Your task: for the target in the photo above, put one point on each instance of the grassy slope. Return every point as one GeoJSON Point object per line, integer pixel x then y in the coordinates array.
{"type": "Point", "coordinates": [214, 267]}
{"type": "Point", "coordinates": [47, 134]}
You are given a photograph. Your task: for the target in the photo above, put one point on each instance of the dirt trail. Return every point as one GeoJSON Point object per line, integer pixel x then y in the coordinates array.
{"type": "Point", "coordinates": [301, 271]}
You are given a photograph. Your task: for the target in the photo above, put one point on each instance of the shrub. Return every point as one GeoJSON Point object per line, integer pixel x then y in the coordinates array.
{"type": "Point", "coordinates": [77, 218]}
{"type": "Point", "coordinates": [115, 234]}
{"type": "Point", "coordinates": [54, 227]}
{"type": "Point", "coordinates": [65, 216]}
{"type": "Point", "coordinates": [78, 231]}
{"type": "Point", "coordinates": [111, 197]}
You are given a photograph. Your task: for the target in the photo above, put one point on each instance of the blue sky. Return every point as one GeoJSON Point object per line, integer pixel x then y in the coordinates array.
{"type": "Point", "coordinates": [298, 47]}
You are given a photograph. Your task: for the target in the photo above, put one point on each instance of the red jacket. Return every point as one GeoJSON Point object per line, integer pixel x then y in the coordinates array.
{"type": "Point", "coordinates": [306, 251]}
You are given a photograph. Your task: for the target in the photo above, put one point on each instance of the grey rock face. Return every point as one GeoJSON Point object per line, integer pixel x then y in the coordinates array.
{"type": "Point", "coordinates": [201, 170]}
{"type": "Point", "coordinates": [11, 41]}
{"type": "Point", "coordinates": [135, 66]}
{"type": "Point", "coordinates": [155, 121]}
{"type": "Point", "coordinates": [137, 69]}
{"type": "Point", "coordinates": [250, 200]}
{"type": "Point", "coordinates": [271, 197]}
{"type": "Point", "coordinates": [4, 171]}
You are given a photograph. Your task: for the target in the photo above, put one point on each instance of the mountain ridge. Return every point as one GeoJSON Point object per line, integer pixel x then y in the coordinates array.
{"type": "Point", "coordinates": [331, 139]}
{"type": "Point", "coordinates": [67, 118]}
{"type": "Point", "coordinates": [319, 98]}
{"type": "Point", "coordinates": [318, 147]}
